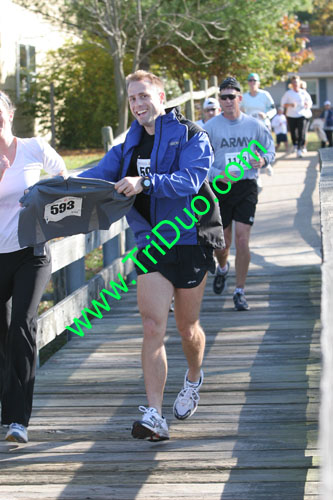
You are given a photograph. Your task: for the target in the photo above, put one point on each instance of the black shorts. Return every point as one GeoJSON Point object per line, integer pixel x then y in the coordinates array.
{"type": "Point", "coordinates": [281, 138]}
{"type": "Point", "coordinates": [184, 266]}
{"type": "Point", "coordinates": [239, 203]}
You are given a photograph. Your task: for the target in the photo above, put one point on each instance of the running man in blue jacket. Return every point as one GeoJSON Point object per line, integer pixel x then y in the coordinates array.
{"type": "Point", "coordinates": [164, 161]}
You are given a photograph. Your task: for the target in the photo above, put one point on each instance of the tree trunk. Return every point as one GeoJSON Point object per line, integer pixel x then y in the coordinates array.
{"type": "Point", "coordinates": [120, 85]}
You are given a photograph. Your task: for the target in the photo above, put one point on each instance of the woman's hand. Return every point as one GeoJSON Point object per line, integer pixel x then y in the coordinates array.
{"type": "Point", "coordinates": [4, 164]}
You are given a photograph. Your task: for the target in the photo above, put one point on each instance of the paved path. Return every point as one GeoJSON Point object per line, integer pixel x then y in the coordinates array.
{"type": "Point", "coordinates": [254, 436]}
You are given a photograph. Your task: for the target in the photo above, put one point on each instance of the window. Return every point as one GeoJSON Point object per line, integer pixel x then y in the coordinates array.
{"type": "Point", "coordinates": [26, 67]}
{"type": "Point", "coordinates": [313, 90]}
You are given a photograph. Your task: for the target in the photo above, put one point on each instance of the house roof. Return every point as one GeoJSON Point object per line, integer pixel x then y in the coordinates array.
{"type": "Point", "coordinates": [322, 47]}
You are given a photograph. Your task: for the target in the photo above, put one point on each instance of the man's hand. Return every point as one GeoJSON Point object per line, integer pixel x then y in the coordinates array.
{"type": "Point", "coordinates": [4, 164]}
{"type": "Point", "coordinates": [129, 186]}
{"type": "Point", "coordinates": [257, 164]}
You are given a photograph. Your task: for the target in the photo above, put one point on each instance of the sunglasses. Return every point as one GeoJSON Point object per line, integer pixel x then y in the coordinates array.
{"type": "Point", "coordinates": [224, 97]}
{"type": "Point", "coordinates": [252, 80]}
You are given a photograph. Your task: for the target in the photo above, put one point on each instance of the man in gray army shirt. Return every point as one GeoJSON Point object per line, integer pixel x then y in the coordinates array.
{"type": "Point", "coordinates": [231, 132]}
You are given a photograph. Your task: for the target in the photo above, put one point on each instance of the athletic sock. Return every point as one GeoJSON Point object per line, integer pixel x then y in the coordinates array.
{"type": "Point", "coordinates": [239, 290]}
{"type": "Point", "coordinates": [222, 270]}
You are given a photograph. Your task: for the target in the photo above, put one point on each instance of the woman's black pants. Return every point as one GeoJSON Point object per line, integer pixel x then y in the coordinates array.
{"type": "Point", "coordinates": [297, 128]}
{"type": "Point", "coordinates": [23, 278]}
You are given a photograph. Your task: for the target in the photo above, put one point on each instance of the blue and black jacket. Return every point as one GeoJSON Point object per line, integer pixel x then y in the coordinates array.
{"type": "Point", "coordinates": [179, 164]}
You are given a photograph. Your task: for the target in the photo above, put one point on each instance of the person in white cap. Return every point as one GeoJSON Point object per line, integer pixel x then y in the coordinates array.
{"type": "Point", "coordinates": [327, 115]}
{"type": "Point", "coordinates": [210, 108]}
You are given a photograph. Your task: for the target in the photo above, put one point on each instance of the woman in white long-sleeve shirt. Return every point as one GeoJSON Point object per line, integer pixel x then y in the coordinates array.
{"type": "Point", "coordinates": [23, 275]}
{"type": "Point", "coordinates": [298, 103]}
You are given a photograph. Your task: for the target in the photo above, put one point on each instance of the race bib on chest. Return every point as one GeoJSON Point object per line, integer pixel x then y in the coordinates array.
{"type": "Point", "coordinates": [143, 166]}
{"type": "Point", "coordinates": [232, 157]}
{"type": "Point", "coordinates": [64, 207]}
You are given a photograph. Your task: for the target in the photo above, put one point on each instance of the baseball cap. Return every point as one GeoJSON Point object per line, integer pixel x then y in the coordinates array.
{"type": "Point", "coordinates": [327, 103]}
{"type": "Point", "coordinates": [211, 102]}
{"type": "Point", "coordinates": [255, 76]}
{"type": "Point", "coordinates": [230, 82]}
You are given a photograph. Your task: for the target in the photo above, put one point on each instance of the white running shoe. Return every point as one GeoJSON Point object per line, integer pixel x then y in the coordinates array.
{"type": "Point", "coordinates": [299, 153]}
{"type": "Point", "coordinates": [259, 184]}
{"type": "Point", "coordinates": [152, 426]}
{"type": "Point", "coordinates": [187, 400]}
{"type": "Point", "coordinates": [17, 433]}
{"type": "Point", "coordinates": [269, 170]}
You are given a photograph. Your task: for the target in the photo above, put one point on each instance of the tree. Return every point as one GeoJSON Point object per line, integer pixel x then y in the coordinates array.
{"type": "Point", "coordinates": [197, 36]}
{"type": "Point", "coordinates": [134, 29]}
{"type": "Point", "coordinates": [84, 96]}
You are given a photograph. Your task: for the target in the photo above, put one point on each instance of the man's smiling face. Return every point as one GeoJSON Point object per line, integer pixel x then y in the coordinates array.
{"type": "Point", "coordinates": [146, 103]}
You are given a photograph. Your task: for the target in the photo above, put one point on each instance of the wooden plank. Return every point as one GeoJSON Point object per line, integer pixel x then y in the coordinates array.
{"type": "Point", "coordinates": [255, 433]}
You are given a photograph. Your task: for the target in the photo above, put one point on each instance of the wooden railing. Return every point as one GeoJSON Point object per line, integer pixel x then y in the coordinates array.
{"type": "Point", "coordinates": [68, 269]}
{"type": "Point", "coordinates": [72, 292]}
{"type": "Point", "coordinates": [326, 411]}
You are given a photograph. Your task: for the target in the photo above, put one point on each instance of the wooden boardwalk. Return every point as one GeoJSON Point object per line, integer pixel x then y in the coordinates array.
{"type": "Point", "coordinates": [254, 436]}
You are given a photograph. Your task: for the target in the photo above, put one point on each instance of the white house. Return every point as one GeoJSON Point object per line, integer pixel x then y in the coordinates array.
{"type": "Point", "coordinates": [25, 39]}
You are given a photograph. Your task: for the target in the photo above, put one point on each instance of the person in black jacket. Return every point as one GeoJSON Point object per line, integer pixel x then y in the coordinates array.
{"type": "Point", "coordinates": [327, 115]}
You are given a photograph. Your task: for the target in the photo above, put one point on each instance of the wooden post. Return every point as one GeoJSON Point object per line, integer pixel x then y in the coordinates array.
{"type": "Point", "coordinates": [110, 251]}
{"type": "Point", "coordinates": [107, 138]}
{"type": "Point", "coordinates": [75, 275]}
{"type": "Point", "coordinates": [189, 105]}
{"type": "Point", "coordinates": [213, 82]}
{"type": "Point", "coordinates": [203, 86]}
{"type": "Point", "coordinates": [59, 285]}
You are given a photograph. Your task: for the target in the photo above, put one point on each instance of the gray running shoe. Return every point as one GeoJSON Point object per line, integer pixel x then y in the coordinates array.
{"type": "Point", "coordinates": [219, 280]}
{"type": "Point", "coordinates": [187, 400]}
{"type": "Point", "coordinates": [240, 302]}
{"type": "Point", "coordinates": [152, 426]}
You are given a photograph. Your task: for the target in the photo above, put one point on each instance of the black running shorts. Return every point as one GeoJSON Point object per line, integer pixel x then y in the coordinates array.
{"type": "Point", "coordinates": [239, 203]}
{"type": "Point", "coordinates": [184, 266]}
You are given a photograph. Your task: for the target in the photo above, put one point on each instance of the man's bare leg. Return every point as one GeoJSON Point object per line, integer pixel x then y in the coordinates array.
{"type": "Point", "coordinates": [242, 262]}
{"type": "Point", "coordinates": [154, 297]}
{"type": "Point", "coordinates": [222, 255]}
{"type": "Point", "coordinates": [187, 311]}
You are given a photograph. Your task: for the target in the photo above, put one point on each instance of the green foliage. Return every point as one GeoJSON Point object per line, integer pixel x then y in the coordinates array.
{"type": "Point", "coordinates": [84, 95]}
{"type": "Point", "coordinates": [321, 22]}
{"type": "Point", "coordinates": [259, 36]}
{"type": "Point", "coordinates": [191, 37]}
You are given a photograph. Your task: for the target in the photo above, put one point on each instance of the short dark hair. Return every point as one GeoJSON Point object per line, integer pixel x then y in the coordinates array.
{"type": "Point", "coordinates": [140, 75]}
{"type": "Point", "coordinates": [230, 83]}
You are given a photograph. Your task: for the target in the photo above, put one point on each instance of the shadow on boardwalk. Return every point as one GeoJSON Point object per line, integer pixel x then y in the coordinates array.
{"type": "Point", "coordinates": [254, 435]}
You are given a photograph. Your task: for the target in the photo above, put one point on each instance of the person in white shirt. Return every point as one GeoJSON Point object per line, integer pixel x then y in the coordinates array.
{"type": "Point", "coordinates": [210, 108]}
{"type": "Point", "coordinates": [298, 104]}
{"type": "Point", "coordinates": [259, 104]}
{"type": "Point", "coordinates": [24, 275]}
{"type": "Point", "coordinates": [279, 125]}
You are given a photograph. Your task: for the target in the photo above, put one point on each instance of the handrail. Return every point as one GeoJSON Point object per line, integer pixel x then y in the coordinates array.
{"type": "Point", "coordinates": [326, 408]}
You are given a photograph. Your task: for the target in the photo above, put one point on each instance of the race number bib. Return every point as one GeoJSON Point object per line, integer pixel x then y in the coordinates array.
{"type": "Point", "coordinates": [232, 157]}
{"type": "Point", "coordinates": [143, 166]}
{"type": "Point", "coordinates": [59, 209]}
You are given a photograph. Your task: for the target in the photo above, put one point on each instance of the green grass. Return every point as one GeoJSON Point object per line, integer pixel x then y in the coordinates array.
{"type": "Point", "coordinates": [80, 158]}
